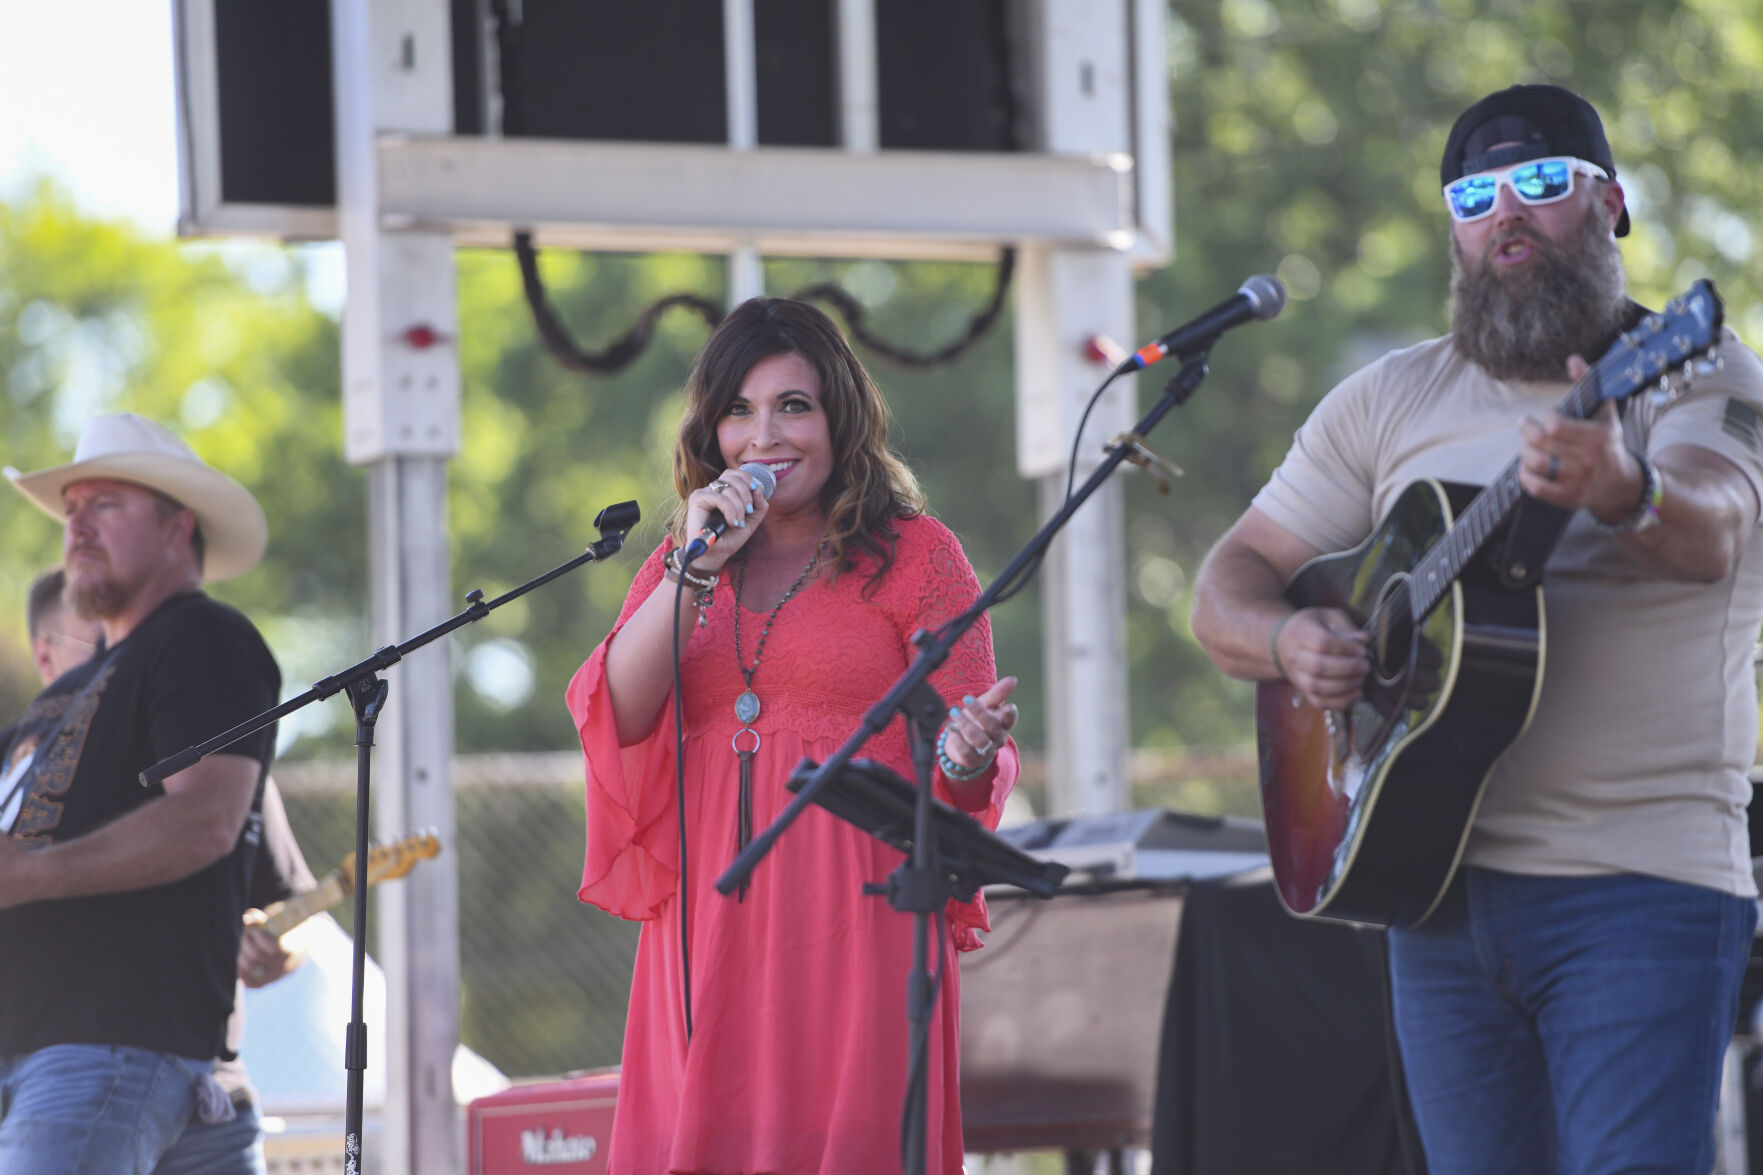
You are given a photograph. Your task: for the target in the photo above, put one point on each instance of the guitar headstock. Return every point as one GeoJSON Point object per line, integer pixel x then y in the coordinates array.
{"type": "Point", "coordinates": [385, 862]}
{"type": "Point", "coordinates": [1666, 350]}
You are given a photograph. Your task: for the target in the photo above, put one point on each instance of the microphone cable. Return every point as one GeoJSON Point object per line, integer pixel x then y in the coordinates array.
{"type": "Point", "coordinates": [679, 779]}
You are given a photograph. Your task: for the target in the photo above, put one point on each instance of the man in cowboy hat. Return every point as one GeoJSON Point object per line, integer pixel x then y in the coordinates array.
{"type": "Point", "coordinates": [120, 906]}
{"type": "Point", "coordinates": [1567, 1004]}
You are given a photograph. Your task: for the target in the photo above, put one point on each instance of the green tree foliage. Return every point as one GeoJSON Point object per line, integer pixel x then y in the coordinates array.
{"type": "Point", "coordinates": [220, 344]}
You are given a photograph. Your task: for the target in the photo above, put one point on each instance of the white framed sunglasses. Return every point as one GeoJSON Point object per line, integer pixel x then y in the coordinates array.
{"type": "Point", "coordinates": [1534, 182]}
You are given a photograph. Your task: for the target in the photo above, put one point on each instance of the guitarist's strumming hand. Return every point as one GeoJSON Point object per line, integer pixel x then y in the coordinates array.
{"type": "Point", "coordinates": [1575, 463]}
{"type": "Point", "coordinates": [1325, 654]}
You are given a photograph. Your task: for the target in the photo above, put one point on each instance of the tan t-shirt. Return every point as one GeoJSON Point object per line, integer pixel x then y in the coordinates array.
{"type": "Point", "coordinates": [1636, 757]}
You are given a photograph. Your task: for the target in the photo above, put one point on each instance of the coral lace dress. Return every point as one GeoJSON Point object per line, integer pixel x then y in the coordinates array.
{"type": "Point", "coordinates": [797, 1062]}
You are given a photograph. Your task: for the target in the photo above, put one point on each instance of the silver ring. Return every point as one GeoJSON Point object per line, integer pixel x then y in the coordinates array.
{"type": "Point", "coordinates": [1554, 469]}
{"type": "Point", "coordinates": [987, 749]}
{"type": "Point", "coordinates": [718, 485]}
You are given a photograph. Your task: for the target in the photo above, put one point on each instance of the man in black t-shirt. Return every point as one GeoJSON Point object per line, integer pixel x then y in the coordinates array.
{"type": "Point", "coordinates": [120, 906]}
{"type": "Point", "coordinates": [61, 640]}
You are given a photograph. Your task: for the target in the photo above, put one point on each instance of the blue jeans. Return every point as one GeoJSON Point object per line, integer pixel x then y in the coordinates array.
{"type": "Point", "coordinates": [234, 1147]}
{"type": "Point", "coordinates": [1569, 1025]}
{"type": "Point", "coordinates": [93, 1109]}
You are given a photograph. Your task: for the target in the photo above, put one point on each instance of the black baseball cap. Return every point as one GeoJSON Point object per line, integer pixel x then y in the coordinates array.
{"type": "Point", "coordinates": [1538, 120]}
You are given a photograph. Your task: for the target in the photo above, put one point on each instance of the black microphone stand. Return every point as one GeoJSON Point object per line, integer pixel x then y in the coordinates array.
{"type": "Point", "coordinates": [367, 694]}
{"type": "Point", "coordinates": [921, 887]}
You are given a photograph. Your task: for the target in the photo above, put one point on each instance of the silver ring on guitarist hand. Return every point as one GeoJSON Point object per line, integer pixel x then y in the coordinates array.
{"type": "Point", "coordinates": [982, 752]}
{"type": "Point", "coordinates": [1554, 469]}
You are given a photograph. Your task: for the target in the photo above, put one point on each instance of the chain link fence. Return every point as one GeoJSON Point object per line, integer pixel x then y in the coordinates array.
{"type": "Point", "coordinates": [544, 979]}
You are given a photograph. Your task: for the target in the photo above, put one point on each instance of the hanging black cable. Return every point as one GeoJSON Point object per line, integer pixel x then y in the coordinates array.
{"type": "Point", "coordinates": [623, 351]}
{"type": "Point", "coordinates": [852, 311]}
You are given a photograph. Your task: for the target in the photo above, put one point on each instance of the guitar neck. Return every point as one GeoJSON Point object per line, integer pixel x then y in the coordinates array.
{"type": "Point", "coordinates": [1492, 508]}
{"type": "Point", "coordinates": [283, 916]}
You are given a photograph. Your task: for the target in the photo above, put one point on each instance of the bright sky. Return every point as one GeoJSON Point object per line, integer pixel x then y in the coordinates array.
{"type": "Point", "coordinates": [86, 95]}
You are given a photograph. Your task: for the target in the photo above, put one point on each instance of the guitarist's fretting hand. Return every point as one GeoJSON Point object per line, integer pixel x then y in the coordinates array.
{"type": "Point", "coordinates": [1325, 656]}
{"type": "Point", "coordinates": [263, 958]}
{"type": "Point", "coordinates": [1575, 463]}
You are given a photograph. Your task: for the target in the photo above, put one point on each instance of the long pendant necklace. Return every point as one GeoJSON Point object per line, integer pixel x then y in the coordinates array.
{"type": "Point", "coordinates": [747, 705]}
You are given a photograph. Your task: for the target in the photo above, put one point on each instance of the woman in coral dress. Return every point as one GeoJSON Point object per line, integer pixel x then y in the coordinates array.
{"type": "Point", "coordinates": [797, 1057]}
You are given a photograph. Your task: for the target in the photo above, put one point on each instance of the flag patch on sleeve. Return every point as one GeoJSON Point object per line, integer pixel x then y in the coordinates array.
{"type": "Point", "coordinates": [1743, 424]}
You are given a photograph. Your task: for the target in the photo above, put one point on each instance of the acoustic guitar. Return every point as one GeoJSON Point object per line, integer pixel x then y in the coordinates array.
{"type": "Point", "coordinates": [1368, 809]}
{"type": "Point", "coordinates": [384, 862]}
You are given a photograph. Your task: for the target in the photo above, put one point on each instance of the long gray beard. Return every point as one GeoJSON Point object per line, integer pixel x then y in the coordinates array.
{"type": "Point", "coordinates": [1524, 324]}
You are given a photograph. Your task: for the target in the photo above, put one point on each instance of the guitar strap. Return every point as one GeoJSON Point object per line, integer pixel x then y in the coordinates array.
{"type": "Point", "coordinates": [40, 755]}
{"type": "Point", "coordinates": [1526, 541]}
{"type": "Point", "coordinates": [1535, 527]}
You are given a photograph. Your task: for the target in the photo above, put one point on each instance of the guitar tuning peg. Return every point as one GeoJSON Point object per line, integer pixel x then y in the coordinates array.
{"type": "Point", "coordinates": [1708, 363]}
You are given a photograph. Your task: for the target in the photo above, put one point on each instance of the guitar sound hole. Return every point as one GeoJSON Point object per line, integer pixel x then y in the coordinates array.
{"type": "Point", "coordinates": [1392, 635]}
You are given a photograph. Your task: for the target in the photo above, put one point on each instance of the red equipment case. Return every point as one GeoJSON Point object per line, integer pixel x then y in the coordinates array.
{"type": "Point", "coordinates": [559, 1127]}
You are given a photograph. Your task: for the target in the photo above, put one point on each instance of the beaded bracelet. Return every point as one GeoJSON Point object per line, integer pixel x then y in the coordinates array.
{"type": "Point", "coordinates": [954, 770]}
{"type": "Point", "coordinates": [703, 587]}
{"type": "Point", "coordinates": [1646, 511]}
{"type": "Point", "coordinates": [693, 579]}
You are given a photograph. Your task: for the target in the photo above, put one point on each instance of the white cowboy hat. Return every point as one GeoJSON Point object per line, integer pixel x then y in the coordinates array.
{"type": "Point", "coordinates": [131, 448]}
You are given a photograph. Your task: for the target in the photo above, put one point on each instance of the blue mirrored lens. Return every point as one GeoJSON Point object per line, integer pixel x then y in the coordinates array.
{"type": "Point", "coordinates": [1546, 179]}
{"type": "Point", "coordinates": [1473, 195]}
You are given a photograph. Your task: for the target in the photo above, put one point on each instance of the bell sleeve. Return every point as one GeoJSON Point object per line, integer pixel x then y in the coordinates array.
{"type": "Point", "coordinates": [631, 862]}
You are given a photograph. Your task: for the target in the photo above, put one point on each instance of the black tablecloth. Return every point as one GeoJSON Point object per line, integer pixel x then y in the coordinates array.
{"type": "Point", "coordinates": [1278, 1054]}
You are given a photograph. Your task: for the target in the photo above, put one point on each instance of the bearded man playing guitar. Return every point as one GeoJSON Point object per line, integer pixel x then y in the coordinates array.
{"type": "Point", "coordinates": [1557, 840]}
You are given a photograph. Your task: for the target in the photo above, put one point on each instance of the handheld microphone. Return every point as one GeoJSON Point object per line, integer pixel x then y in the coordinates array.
{"type": "Point", "coordinates": [766, 482]}
{"type": "Point", "coordinates": [1260, 298]}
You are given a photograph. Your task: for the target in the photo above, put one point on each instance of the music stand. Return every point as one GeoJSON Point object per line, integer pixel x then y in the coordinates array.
{"type": "Point", "coordinates": [880, 801]}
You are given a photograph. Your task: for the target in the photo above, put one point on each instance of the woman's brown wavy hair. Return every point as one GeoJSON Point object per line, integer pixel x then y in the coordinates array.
{"type": "Point", "coordinates": [869, 486]}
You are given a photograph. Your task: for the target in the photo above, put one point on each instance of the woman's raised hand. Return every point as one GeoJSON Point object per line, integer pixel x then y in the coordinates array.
{"type": "Point", "coordinates": [980, 725]}
{"type": "Point", "coordinates": [735, 495]}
